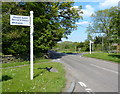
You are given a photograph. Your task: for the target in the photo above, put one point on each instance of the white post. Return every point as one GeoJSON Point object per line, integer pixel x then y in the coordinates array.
{"type": "Point", "coordinates": [90, 46]}
{"type": "Point", "coordinates": [31, 45]}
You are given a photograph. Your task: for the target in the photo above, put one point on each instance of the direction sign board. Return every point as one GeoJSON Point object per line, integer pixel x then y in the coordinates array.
{"type": "Point", "coordinates": [19, 20]}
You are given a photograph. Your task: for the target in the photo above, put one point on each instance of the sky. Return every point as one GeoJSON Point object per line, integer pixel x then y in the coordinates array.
{"type": "Point", "coordinates": [88, 7]}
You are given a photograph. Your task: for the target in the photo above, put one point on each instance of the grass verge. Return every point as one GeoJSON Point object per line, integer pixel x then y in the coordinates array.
{"type": "Point", "coordinates": [105, 56]}
{"type": "Point", "coordinates": [18, 79]}
{"type": "Point", "coordinates": [13, 64]}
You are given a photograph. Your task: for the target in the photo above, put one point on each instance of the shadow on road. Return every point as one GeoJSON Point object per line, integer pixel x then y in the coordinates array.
{"type": "Point", "coordinates": [73, 53]}
{"type": "Point", "coordinates": [56, 55]}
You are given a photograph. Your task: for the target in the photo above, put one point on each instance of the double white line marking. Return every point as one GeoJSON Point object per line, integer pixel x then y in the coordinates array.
{"type": "Point", "coordinates": [82, 84]}
{"type": "Point", "coordinates": [86, 88]}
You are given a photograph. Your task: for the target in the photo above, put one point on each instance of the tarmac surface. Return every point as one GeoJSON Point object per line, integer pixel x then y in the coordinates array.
{"type": "Point", "coordinates": [89, 75]}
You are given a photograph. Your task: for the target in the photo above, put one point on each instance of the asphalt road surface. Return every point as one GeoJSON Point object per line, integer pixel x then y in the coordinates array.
{"type": "Point", "coordinates": [92, 75]}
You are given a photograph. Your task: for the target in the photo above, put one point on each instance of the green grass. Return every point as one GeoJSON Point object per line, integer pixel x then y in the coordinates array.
{"type": "Point", "coordinates": [0, 53]}
{"type": "Point", "coordinates": [0, 82]}
{"type": "Point", "coordinates": [105, 56]}
{"type": "Point", "coordinates": [18, 79]}
{"type": "Point", "coordinates": [4, 65]}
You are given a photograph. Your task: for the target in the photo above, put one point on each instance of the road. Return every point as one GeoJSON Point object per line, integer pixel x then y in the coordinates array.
{"type": "Point", "coordinates": [92, 75]}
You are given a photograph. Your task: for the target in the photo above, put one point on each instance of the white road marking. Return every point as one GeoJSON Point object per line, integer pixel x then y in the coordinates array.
{"type": "Point", "coordinates": [104, 68]}
{"type": "Point", "coordinates": [86, 88]}
{"type": "Point", "coordinates": [82, 84]}
{"type": "Point", "coordinates": [89, 91]}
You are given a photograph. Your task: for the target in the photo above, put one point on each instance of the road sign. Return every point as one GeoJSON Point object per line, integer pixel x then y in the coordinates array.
{"type": "Point", "coordinates": [19, 20]}
{"type": "Point", "coordinates": [25, 21]}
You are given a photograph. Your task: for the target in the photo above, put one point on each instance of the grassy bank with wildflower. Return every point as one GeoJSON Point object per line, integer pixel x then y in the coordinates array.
{"type": "Point", "coordinates": [115, 57]}
{"type": "Point", "coordinates": [18, 79]}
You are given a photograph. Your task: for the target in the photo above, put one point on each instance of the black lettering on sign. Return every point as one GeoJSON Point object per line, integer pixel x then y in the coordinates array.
{"type": "Point", "coordinates": [13, 22]}
{"type": "Point", "coordinates": [24, 17]}
{"type": "Point", "coordinates": [24, 20]}
{"type": "Point", "coordinates": [16, 17]}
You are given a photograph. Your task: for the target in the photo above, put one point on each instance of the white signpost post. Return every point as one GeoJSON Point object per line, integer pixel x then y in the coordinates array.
{"type": "Point", "coordinates": [25, 21]}
{"type": "Point", "coordinates": [31, 45]}
{"type": "Point", "coordinates": [90, 46]}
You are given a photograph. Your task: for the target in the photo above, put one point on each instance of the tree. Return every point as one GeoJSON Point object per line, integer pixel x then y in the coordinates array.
{"type": "Point", "coordinates": [114, 23]}
{"type": "Point", "coordinates": [107, 22]}
{"type": "Point", "coordinates": [52, 21]}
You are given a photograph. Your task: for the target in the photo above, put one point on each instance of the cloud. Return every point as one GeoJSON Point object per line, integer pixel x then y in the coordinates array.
{"type": "Point", "coordinates": [83, 23]}
{"type": "Point", "coordinates": [108, 4]}
{"type": "Point", "coordinates": [88, 11]}
{"type": "Point", "coordinates": [75, 7]}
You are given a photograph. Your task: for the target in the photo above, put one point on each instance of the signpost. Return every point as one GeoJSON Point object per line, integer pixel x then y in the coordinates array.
{"type": "Point", "coordinates": [90, 46]}
{"type": "Point", "coordinates": [31, 45]}
{"type": "Point", "coordinates": [25, 21]}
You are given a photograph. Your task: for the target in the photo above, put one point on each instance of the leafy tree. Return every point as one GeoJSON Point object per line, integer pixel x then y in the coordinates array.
{"type": "Point", "coordinates": [72, 46]}
{"type": "Point", "coordinates": [66, 45]}
{"type": "Point", "coordinates": [107, 22]}
{"type": "Point", "coordinates": [114, 23]}
{"type": "Point", "coordinates": [52, 21]}
{"type": "Point", "coordinates": [98, 40]}
{"type": "Point", "coordinates": [86, 46]}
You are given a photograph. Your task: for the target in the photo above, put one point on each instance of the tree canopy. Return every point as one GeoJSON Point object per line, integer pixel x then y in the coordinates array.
{"type": "Point", "coordinates": [52, 21]}
{"type": "Point", "coordinates": [106, 23]}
